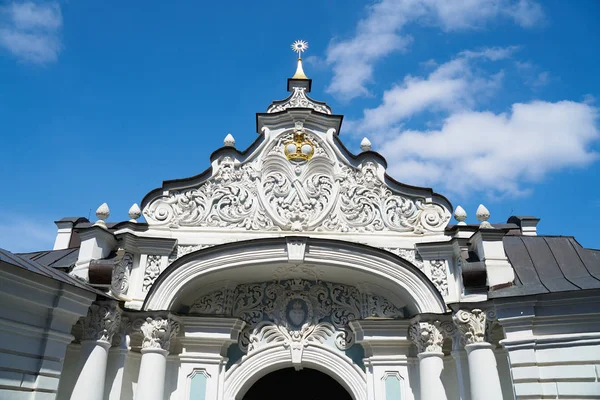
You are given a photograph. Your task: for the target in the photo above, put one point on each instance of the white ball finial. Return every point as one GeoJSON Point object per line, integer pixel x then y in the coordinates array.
{"type": "Point", "coordinates": [460, 215]}
{"type": "Point", "coordinates": [134, 212]}
{"type": "Point", "coordinates": [365, 145]}
{"type": "Point", "coordinates": [102, 213]}
{"type": "Point", "coordinates": [483, 215]}
{"type": "Point", "coordinates": [229, 141]}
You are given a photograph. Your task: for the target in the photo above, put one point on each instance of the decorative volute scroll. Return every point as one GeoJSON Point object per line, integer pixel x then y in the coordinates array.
{"type": "Point", "coordinates": [471, 325]}
{"type": "Point", "coordinates": [273, 190]}
{"type": "Point", "coordinates": [101, 322]}
{"type": "Point", "coordinates": [295, 311]}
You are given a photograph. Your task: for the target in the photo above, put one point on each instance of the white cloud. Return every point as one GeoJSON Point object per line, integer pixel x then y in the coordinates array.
{"type": "Point", "coordinates": [495, 153]}
{"type": "Point", "coordinates": [380, 33]}
{"type": "Point", "coordinates": [20, 234]}
{"type": "Point", "coordinates": [452, 86]}
{"type": "Point", "coordinates": [472, 150]}
{"type": "Point", "coordinates": [31, 31]}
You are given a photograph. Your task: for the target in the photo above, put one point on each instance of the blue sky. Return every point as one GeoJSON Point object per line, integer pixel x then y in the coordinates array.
{"type": "Point", "coordinates": [486, 101]}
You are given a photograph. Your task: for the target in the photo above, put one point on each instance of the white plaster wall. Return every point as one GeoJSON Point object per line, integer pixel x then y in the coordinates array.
{"type": "Point", "coordinates": [553, 344]}
{"type": "Point", "coordinates": [36, 318]}
{"type": "Point", "coordinates": [557, 369]}
{"type": "Point", "coordinates": [70, 373]}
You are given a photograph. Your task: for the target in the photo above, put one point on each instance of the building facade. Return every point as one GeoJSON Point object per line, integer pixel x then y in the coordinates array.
{"type": "Point", "coordinates": [296, 257]}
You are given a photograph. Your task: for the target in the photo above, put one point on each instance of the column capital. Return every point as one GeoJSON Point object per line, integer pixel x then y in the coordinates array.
{"type": "Point", "coordinates": [157, 331]}
{"type": "Point", "coordinates": [427, 336]}
{"type": "Point", "coordinates": [101, 322]}
{"type": "Point", "coordinates": [471, 325]}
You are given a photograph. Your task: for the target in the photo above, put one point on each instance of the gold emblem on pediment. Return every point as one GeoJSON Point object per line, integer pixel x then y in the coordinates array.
{"type": "Point", "coordinates": [300, 148]}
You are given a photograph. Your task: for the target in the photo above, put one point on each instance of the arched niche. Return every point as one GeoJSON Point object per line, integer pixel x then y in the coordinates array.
{"type": "Point", "coordinates": [372, 269]}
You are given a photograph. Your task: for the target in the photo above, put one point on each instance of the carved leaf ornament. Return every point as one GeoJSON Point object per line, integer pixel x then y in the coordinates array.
{"type": "Point", "coordinates": [271, 192]}
{"type": "Point", "coordinates": [295, 312]}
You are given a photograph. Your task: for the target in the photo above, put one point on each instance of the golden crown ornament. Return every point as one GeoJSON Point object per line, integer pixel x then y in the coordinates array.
{"type": "Point", "coordinates": [299, 148]}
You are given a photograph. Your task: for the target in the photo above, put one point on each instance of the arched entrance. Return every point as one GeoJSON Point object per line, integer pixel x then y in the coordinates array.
{"type": "Point", "coordinates": [306, 384]}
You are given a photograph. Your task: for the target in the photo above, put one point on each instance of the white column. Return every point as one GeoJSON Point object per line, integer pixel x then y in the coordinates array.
{"type": "Point", "coordinates": [429, 340]}
{"type": "Point", "coordinates": [483, 371]}
{"type": "Point", "coordinates": [115, 369]}
{"type": "Point", "coordinates": [99, 326]}
{"type": "Point", "coordinates": [90, 383]}
{"type": "Point", "coordinates": [462, 373]}
{"type": "Point", "coordinates": [158, 333]}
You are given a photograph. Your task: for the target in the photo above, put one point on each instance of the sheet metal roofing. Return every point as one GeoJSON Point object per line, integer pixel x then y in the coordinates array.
{"type": "Point", "coordinates": [64, 258]}
{"type": "Point", "coordinates": [6, 257]}
{"type": "Point", "coordinates": [548, 264]}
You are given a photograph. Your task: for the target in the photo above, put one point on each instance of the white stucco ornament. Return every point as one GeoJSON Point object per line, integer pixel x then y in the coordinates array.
{"type": "Point", "coordinates": [229, 141]}
{"type": "Point", "coordinates": [365, 145]}
{"type": "Point", "coordinates": [316, 193]}
{"type": "Point", "coordinates": [427, 336]}
{"type": "Point", "coordinates": [471, 325]}
{"type": "Point", "coordinates": [134, 212]}
{"type": "Point", "coordinates": [295, 311]}
{"type": "Point", "coordinates": [103, 212]}
{"type": "Point", "coordinates": [483, 215]}
{"type": "Point", "coordinates": [460, 215]}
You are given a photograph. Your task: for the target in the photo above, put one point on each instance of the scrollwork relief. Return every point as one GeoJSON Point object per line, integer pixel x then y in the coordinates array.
{"type": "Point", "coordinates": [101, 322]}
{"type": "Point", "coordinates": [120, 276]}
{"type": "Point", "coordinates": [152, 271]}
{"type": "Point", "coordinates": [182, 250]}
{"type": "Point", "coordinates": [299, 100]}
{"type": "Point", "coordinates": [296, 306]}
{"type": "Point", "coordinates": [409, 255]}
{"type": "Point", "coordinates": [439, 276]}
{"type": "Point", "coordinates": [273, 193]}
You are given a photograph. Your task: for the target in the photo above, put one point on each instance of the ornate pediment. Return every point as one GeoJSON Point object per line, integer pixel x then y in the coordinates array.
{"type": "Point", "coordinates": [274, 189]}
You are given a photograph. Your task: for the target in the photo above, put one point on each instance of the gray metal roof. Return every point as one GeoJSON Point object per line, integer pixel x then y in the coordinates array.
{"type": "Point", "coordinates": [548, 264]}
{"type": "Point", "coordinates": [6, 257]}
{"type": "Point", "coordinates": [63, 259]}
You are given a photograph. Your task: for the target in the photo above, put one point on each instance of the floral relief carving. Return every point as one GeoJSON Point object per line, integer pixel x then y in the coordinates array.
{"type": "Point", "coordinates": [267, 333]}
{"type": "Point", "coordinates": [439, 276]}
{"type": "Point", "coordinates": [296, 306]}
{"type": "Point", "coordinates": [299, 100]}
{"type": "Point", "coordinates": [101, 322]}
{"type": "Point", "coordinates": [152, 271]}
{"type": "Point", "coordinates": [471, 325]}
{"type": "Point", "coordinates": [273, 193]}
{"type": "Point", "coordinates": [120, 276]}
{"type": "Point", "coordinates": [157, 332]}
{"type": "Point", "coordinates": [409, 255]}
{"type": "Point", "coordinates": [427, 336]}
{"type": "Point", "coordinates": [182, 250]}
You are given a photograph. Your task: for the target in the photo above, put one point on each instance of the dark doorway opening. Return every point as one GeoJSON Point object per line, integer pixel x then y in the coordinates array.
{"type": "Point", "coordinates": [289, 384]}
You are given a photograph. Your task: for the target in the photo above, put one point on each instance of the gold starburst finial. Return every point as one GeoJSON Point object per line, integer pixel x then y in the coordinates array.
{"type": "Point", "coordinates": [299, 46]}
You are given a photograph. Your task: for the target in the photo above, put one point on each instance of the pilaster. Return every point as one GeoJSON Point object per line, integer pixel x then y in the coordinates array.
{"type": "Point", "coordinates": [203, 358]}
